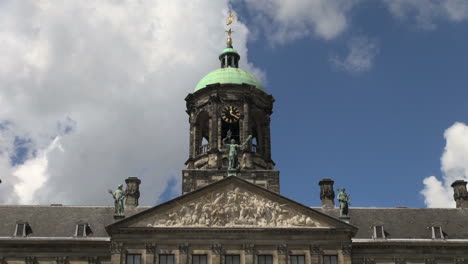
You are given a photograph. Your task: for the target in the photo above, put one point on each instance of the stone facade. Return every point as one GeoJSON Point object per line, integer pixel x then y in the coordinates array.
{"type": "Point", "coordinates": [281, 227]}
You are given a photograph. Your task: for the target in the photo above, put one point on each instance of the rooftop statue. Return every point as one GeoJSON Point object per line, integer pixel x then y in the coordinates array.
{"type": "Point", "coordinates": [119, 197]}
{"type": "Point", "coordinates": [229, 21]}
{"type": "Point", "coordinates": [231, 18]}
{"type": "Point", "coordinates": [343, 199]}
{"type": "Point", "coordinates": [233, 152]}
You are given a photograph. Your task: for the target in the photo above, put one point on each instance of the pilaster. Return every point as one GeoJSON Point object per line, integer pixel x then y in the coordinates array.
{"type": "Point", "coordinates": [217, 250]}
{"type": "Point", "coordinates": [282, 254]}
{"type": "Point", "coordinates": [346, 254]}
{"type": "Point", "coordinates": [314, 254]}
{"type": "Point", "coordinates": [150, 253]}
{"type": "Point", "coordinates": [183, 253]}
{"type": "Point", "coordinates": [249, 251]}
{"type": "Point", "coordinates": [116, 249]}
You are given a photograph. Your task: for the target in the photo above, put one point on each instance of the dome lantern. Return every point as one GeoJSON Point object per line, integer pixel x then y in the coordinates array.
{"type": "Point", "coordinates": [229, 72]}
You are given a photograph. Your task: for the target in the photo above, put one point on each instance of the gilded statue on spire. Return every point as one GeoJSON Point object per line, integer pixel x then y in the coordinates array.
{"type": "Point", "coordinates": [229, 21]}
{"type": "Point", "coordinates": [231, 18]}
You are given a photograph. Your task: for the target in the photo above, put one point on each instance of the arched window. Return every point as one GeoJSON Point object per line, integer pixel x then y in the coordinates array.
{"type": "Point", "coordinates": [256, 132]}
{"type": "Point", "coordinates": [202, 141]}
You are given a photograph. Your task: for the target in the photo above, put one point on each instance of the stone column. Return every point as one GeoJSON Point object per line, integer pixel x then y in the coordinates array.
{"type": "Point", "coordinates": [219, 133]}
{"type": "Point", "coordinates": [460, 194]}
{"type": "Point", "coordinates": [192, 136]}
{"type": "Point", "coordinates": [195, 137]}
{"type": "Point", "coordinates": [327, 194]}
{"type": "Point", "coordinates": [246, 130]}
{"type": "Point", "coordinates": [132, 192]}
{"type": "Point", "coordinates": [245, 119]}
{"type": "Point", "coordinates": [249, 252]}
{"type": "Point", "coordinates": [282, 254]}
{"type": "Point", "coordinates": [211, 132]}
{"type": "Point", "coordinates": [266, 141]}
{"type": "Point", "coordinates": [150, 253]}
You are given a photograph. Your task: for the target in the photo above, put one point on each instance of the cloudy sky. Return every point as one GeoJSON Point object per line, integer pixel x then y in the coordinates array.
{"type": "Point", "coordinates": [369, 93]}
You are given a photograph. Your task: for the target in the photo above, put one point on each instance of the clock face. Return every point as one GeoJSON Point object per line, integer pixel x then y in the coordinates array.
{"type": "Point", "coordinates": [230, 114]}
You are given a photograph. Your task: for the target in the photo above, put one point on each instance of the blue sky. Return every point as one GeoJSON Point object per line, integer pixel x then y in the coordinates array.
{"type": "Point", "coordinates": [369, 93]}
{"type": "Point", "coordinates": [378, 133]}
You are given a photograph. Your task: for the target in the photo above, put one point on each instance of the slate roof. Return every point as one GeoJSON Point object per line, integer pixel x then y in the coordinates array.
{"type": "Point", "coordinates": [58, 221]}
{"type": "Point", "coordinates": [407, 223]}
{"type": "Point", "coordinates": [404, 223]}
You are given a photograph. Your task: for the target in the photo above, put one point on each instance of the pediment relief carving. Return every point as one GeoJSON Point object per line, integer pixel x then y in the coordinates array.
{"type": "Point", "coordinates": [232, 207]}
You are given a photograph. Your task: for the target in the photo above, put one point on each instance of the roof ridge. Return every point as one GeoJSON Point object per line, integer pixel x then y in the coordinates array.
{"type": "Point", "coordinates": [66, 206]}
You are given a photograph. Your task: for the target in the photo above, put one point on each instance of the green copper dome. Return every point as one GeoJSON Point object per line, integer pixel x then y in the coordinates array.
{"type": "Point", "coordinates": [229, 72]}
{"type": "Point", "coordinates": [229, 75]}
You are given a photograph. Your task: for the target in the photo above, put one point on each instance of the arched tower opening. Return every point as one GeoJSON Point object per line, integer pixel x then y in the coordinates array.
{"type": "Point", "coordinates": [202, 140]}
{"type": "Point", "coordinates": [256, 132]}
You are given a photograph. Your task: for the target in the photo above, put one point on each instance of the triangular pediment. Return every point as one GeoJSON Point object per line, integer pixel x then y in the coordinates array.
{"type": "Point", "coordinates": [231, 203]}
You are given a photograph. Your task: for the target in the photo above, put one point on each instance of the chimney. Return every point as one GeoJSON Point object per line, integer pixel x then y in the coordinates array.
{"type": "Point", "coordinates": [327, 194]}
{"type": "Point", "coordinates": [460, 195]}
{"type": "Point", "coordinates": [132, 193]}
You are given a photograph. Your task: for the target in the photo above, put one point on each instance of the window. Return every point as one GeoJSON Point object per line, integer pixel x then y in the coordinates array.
{"type": "Point", "coordinates": [232, 259]}
{"type": "Point", "coordinates": [437, 232]}
{"type": "Point", "coordinates": [166, 259]}
{"type": "Point", "coordinates": [297, 259]}
{"type": "Point", "coordinates": [22, 229]}
{"type": "Point", "coordinates": [83, 230]}
{"type": "Point", "coordinates": [330, 259]}
{"type": "Point", "coordinates": [133, 259]}
{"type": "Point", "coordinates": [379, 232]}
{"type": "Point", "coordinates": [265, 259]}
{"type": "Point", "coordinates": [199, 259]}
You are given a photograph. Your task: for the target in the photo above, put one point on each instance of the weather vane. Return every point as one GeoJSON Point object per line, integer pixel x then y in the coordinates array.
{"type": "Point", "coordinates": [231, 18]}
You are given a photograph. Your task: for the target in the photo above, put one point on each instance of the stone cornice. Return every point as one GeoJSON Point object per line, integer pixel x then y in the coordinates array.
{"type": "Point", "coordinates": [389, 243]}
{"type": "Point", "coordinates": [58, 239]}
{"type": "Point", "coordinates": [280, 230]}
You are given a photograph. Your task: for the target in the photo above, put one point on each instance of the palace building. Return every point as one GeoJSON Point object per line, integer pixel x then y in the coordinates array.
{"type": "Point", "coordinates": [231, 210]}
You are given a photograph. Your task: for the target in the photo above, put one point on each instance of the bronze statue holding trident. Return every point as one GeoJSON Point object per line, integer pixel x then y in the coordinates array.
{"type": "Point", "coordinates": [233, 166]}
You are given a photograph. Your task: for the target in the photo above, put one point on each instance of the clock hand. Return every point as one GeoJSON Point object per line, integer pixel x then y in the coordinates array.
{"type": "Point", "coordinates": [232, 114]}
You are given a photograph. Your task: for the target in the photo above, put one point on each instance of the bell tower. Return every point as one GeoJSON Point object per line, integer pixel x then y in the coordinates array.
{"type": "Point", "coordinates": [229, 105]}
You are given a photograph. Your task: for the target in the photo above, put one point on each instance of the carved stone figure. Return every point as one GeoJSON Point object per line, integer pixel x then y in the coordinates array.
{"type": "Point", "coordinates": [119, 197]}
{"type": "Point", "coordinates": [233, 149]}
{"type": "Point", "coordinates": [233, 208]}
{"type": "Point", "coordinates": [343, 199]}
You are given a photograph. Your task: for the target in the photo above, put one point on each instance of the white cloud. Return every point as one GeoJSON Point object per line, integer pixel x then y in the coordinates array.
{"type": "Point", "coordinates": [425, 13]}
{"type": "Point", "coordinates": [285, 21]}
{"type": "Point", "coordinates": [360, 57]}
{"type": "Point", "coordinates": [32, 174]}
{"type": "Point", "coordinates": [439, 193]}
{"type": "Point", "coordinates": [109, 79]}
{"type": "Point", "coordinates": [436, 194]}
